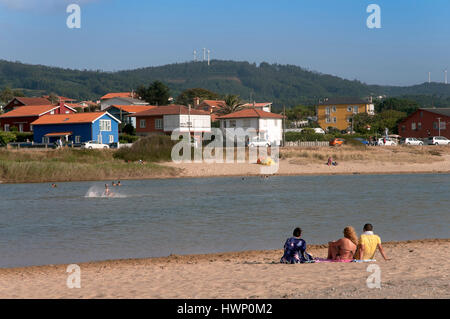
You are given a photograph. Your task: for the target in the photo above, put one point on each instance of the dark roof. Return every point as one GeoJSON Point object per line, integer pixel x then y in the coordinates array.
{"type": "Point", "coordinates": [440, 111]}
{"type": "Point", "coordinates": [342, 100]}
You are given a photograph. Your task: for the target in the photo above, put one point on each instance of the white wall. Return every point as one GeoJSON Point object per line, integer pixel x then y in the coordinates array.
{"type": "Point", "coordinates": [199, 123]}
{"type": "Point", "coordinates": [270, 129]}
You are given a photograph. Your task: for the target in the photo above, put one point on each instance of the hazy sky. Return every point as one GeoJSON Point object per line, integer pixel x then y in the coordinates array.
{"type": "Point", "coordinates": [329, 36]}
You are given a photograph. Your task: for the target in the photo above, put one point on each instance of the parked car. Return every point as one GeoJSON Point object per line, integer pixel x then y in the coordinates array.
{"type": "Point", "coordinates": [319, 130]}
{"type": "Point", "coordinates": [258, 142]}
{"type": "Point", "coordinates": [438, 140]}
{"type": "Point", "coordinates": [386, 142]}
{"type": "Point", "coordinates": [363, 141]}
{"type": "Point", "coordinates": [337, 142]}
{"type": "Point", "coordinates": [410, 141]}
{"type": "Point", "coordinates": [94, 145]}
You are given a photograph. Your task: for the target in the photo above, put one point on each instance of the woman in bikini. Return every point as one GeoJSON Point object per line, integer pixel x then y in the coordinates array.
{"type": "Point", "coordinates": [344, 248]}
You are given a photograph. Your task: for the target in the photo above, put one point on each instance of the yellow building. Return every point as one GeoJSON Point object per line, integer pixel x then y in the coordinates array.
{"type": "Point", "coordinates": [338, 112]}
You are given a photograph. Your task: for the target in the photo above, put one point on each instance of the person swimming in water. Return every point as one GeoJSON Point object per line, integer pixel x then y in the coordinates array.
{"type": "Point", "coordinates": [107, 191]}
{"type": "Point", "coordinates": [118, 184]}
{"type": "Point", "coordinates": [54, 185]}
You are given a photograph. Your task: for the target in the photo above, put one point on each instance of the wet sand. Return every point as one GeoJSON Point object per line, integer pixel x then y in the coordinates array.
{"type": "Point", "coordinates": [418, 269]}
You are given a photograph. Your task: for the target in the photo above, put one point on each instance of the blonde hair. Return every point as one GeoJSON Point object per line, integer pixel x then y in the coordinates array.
{"type": "Point", "coordinates": [350, 233]}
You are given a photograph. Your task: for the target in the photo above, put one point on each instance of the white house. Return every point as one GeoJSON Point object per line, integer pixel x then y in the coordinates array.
{"type": "Point", "coordinates": [166, 119]}
{"type": "Point", "coordinates": [265, 125]}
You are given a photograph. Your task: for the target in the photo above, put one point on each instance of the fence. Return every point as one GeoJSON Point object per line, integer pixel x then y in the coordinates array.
{"type": "Point", "coordinates": [307, 144]}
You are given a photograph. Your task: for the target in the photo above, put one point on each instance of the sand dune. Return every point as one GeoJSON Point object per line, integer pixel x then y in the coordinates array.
{"type": "Point", "coordinates": [419, 269]}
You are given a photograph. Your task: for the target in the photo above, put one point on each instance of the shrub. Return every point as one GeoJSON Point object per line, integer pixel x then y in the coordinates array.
{"type": "Point", "coordinates": [129, 129]}
{"type": "Point", "coordinates": [23, 136]}
{"type": "Point", "coordinates": [6, 137]}
{"type": "Point", "coordinates": [154, 148]}
{"type": "Point", "coordinates": [125, 138]}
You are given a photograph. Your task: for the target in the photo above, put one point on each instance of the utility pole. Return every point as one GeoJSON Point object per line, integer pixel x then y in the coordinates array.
{"type": "Point", "coordinates": [284, 126]}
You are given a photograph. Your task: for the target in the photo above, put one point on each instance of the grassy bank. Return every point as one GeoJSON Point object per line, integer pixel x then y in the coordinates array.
{"type": "Point", "coordinates": [24, 166]}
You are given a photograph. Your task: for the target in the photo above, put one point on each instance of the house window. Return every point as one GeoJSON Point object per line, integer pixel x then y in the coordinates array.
{"type": "Point", "coordinates": [77, 139]}
{"type": "Point", "coordinates": [105, 125]}
{"type": "Point", "coordinates": [355, 109]}
{"type": "Point", "coordinates": [20, 127]}
{"type": "Point", "coordinates": [421, 113]}
{"type": "Point", "coordinates": [435, 125]}
{"type": "Point", "coordinates": [403, 128]}
{"type": "Point", "coordinates": [111, 138]}
{"type": "Point", "coordinates": [443, 125]}
{"type": "Point", "coordinates": [232, 123]}
{"type": "Point", "coordinates": [334, 120]}
{"type": "Point", "coordinates": [413, 126]}
{"type": "Point", "coordinates": [158, 124]}
{"type": "Point", "coordinates": [333, 109]}
{"type": "Point", "coordinates": [52, 112]}
{"type": "Point", "coordinates": [142, 123]}
{"type": "Point", "coordinates": [327, 120]}
{"type": "Point", "coordinates": [67, 112]}
{"type": "Point", "coordinates": [6, 127]}
{"type": "Point", "coordinates": [45, 140]}
{"type": "Point", "coordinates": [246, 123]}
{"type": "Point", "coordinates": [349, 108]}
{"type": "Point", "coordinates": [327, 110]}
{"type": "Point", "coordinates": [419, 126]}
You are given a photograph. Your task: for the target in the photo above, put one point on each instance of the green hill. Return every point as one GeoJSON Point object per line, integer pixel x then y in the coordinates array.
{"type": "Point", "coordinates": [282, 84]}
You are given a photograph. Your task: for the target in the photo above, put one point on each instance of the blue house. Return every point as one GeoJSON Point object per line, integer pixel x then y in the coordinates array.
{"type": "Point", "coordinates": [77, 128]}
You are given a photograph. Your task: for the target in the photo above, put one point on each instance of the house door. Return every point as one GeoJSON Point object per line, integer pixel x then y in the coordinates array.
{"type": "Point", "coordinates": [20, 127]}
{"type": "Point", "coordinates": [99, 139]}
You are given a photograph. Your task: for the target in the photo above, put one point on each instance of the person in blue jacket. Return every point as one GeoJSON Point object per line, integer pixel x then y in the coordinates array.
{"type": "Point", "coordinates": [295, 249]}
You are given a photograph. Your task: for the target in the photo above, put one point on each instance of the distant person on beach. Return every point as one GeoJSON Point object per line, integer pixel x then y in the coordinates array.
{"type": "Point", "coordinates": [368, 244]}
{"type": "Point", "coordinates": [118, 183]}
{"type": "Point", "coordinates": [54, 185]}
{"type": "Point", "coordinates": [113, 184]}
{"type": "Point", "coordinates": [344, 248]}
{"type": "Point", "coordinates": [295, 249]}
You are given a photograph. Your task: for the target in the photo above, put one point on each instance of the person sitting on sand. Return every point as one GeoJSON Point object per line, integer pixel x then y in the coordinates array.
{"type": "Point", "coordinates": [344, 248]}
{"type": "Point", "coordinates": [330, 161]}
{"type": "Point", "coordinates": [295, 249]}
{"type": "Point", "coordinates": [368, 244]}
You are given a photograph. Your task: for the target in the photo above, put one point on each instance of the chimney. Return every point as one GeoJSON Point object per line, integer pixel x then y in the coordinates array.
{"type": "Point", "coordinates": [61, 107]}
{"type": "Point", "coordinates": [196, 101]}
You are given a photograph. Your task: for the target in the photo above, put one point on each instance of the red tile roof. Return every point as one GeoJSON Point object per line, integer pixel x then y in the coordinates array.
{"type": "Point", "coordinates": [62, 98]}
{"type": "Point", "coordinates": [33, 100]}
{"type": "Point", "coordinates": [170, 110]}
{"type": "Point", "coordinates": [246, 113]}
{"type": "Point", "coordinates": [58, 134]}
{"type": "Point", "coordinates": [214, 103]}
{"type": "Point", "coordinates": [258, 104]}
{"type": "Point", "coordinates": [69, 118]}
{"type": "Point", "coordinates": [132, 108]}
{"type": "Point", "coordinates": [113, 95]}
{"type": "Point", "coordinates": [33, 110]}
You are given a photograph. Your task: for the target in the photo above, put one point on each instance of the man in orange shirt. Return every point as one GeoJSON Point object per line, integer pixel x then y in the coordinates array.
{"type": "Point", "coordinates": [368, 244]}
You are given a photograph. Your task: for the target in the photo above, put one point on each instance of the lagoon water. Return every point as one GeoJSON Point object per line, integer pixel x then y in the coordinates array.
{"type": "Point", "coordinates": [74, 222]}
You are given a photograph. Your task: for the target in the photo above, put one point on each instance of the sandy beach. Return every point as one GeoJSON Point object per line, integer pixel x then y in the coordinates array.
{"type": "Point", "coordinates": [418, 269]}
{"type": "Point", "coordinates": [312, 161]}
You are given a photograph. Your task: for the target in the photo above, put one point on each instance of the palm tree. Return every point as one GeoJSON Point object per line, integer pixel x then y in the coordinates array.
{"type": "Point", "coordinates": [232, 104]}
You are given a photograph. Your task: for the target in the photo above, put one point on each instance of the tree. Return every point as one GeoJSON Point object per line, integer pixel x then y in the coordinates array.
{"type": "Point", "coordinates": [232, 104]}
{"type": "Point", "coordinates": [397, 104]}
{"type": "Point", "coordinates": [6, 137]}
{"type": "Point", "coordinates": [53, 98]}
{"type": "Point", "coordinates": [187, 96]}
{"type": "Point", "coordinates": [7, 94]}
{"type": "Point", "coordinates": [129, 129]}
{"type": "Point", "coordinates": [156, 94]}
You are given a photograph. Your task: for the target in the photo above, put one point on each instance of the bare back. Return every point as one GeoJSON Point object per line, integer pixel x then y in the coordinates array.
{"type": "Point", "coordinates": [346, 248]}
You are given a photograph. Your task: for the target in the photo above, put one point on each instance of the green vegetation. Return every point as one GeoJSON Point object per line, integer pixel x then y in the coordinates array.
{"type": "Point", "coordinates": [155, 148]}
{"type": "Point", "coordinates": [285, 85]}
{"type": "Point", "coordinates": [378, 122]}
{"type": "Point", "coordinates": [127, 138]}
{"type": "Point", "coordinates": [22, 166]}
{"type": "Point", "coordinates": [187, 96]}
{"type": "Point", "coordinates": [156, 94]}
{"type": "Point", "coordinates": [232, 104]}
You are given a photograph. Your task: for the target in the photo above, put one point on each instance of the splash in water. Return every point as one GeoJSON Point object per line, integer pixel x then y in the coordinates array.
{"type": "Point", "coordinates": [99, 192]}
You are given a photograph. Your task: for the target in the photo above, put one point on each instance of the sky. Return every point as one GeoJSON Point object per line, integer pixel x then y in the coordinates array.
{"type": "Point", "coordinates": [327, 36]}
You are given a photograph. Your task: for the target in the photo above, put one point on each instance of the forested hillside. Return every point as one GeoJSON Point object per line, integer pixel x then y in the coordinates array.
{"type": "Point", "coordinates": [282, 84]}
